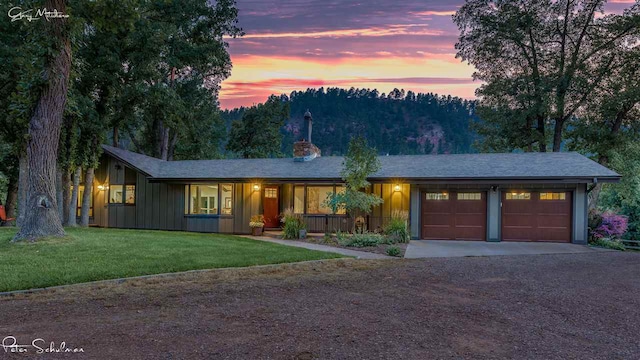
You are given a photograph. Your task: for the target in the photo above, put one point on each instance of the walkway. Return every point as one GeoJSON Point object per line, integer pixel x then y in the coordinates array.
{"type": "Point", "coordinates": [332, 249]}
{"type": "Point", "coordinates": [451, 248]}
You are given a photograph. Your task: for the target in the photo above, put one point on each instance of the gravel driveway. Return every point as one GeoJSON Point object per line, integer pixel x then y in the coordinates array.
{"type": "Point", "coordinates": [567, 306]}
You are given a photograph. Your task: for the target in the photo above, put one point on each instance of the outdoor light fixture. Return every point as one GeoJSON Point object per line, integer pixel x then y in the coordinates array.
{"type": "Point", "coordinates": [256, 187]}
{"type": "Point", "coordinates": [101, 187]}
{"type": "Point", "coordinates": [396, 187]}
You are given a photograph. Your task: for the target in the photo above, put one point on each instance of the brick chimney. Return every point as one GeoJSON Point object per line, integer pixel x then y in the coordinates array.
{"type": "Point", "coordinates": [304, 150]}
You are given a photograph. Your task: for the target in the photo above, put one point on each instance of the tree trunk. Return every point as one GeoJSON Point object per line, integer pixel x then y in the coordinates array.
{"type": "Point", "coordinates": [66, 197]}
{"type": "Point", "coordinates": [86, 197]}
{"type": "Point", "coordinates": [172, 146]}
{"type": "Point", "coordinates": [542, 143]}
{"type": "Point", "coordinates": [73, 204]}
{"type": "Point", "coordinates": [557, 135]}
{"type": "Point", "coordinates": [12, 198]}
{"type": "Point", "coordinates": [41, 213]}
{"type": "Point", "coordinates": [59, 192]}
{"type": "Point", "coordinates": [23, 187]}
{"type": "Point", "coordinates": [116, 136]}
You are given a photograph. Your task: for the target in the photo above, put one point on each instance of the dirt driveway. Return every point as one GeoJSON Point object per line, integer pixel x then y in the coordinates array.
{"type": "Point", "coordinates": [569, 306]}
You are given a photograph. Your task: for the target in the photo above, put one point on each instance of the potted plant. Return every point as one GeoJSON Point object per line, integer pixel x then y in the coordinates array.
{"type": "Point", "coordinates": [257, 224]}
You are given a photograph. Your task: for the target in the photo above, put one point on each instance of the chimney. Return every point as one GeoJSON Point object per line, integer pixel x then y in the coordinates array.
{"type": "Point", "coordinates": [304, 150]}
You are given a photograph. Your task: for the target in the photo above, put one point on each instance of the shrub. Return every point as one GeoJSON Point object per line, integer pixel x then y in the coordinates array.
{"type": "Point", "coordinates": [363, 240]}
{"type": "Point", "coordinates": [398, 229]}
{"type": "Point", "coordinates": [609, 244]}
{"type": "Point", "coordinates": [292, 223]}
{"type": "Point", "coordinates": [256, 221]}
{"type": "Point", "coordinates": [606, 225]}
{"type": "Point", "coordinates": [393, 251]}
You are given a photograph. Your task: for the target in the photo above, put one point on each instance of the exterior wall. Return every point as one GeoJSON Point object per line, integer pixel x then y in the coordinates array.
{"type": "Point", "coordinates": [580, 209]}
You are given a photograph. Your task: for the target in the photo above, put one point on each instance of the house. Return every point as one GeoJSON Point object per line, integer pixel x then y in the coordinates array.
{"type": "Point", "coordinates": [484, 197]}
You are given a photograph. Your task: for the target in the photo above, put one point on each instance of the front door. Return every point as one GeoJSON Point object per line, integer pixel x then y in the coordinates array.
{"type": "Point", "coordinates": [270, 204]}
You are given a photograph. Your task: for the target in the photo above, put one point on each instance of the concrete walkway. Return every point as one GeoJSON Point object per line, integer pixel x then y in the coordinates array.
{"type": "Point", "coordinates": [449, 248]}
{"type": "Point", "coordinates": [325, 248]}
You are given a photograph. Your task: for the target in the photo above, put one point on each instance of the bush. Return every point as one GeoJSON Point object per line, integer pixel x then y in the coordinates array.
{"type": "Point", "coordinates": [292, 223]}
{"type": "Point", "coordinates": [363, 240]}
{"type": "Point", "coordinates": [256, 221]}
{"type": "Point", "coordinates": [393, 251]}
{"type": "Point", "coordinates": [609, 244]}
{"type": "Point", "coordinates": [607, 225]}
{"type": "Point", "coordinates": [398, 229]}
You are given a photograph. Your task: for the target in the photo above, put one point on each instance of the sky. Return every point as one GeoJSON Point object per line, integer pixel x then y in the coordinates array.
{"type": "Point", "coordinates": [383, 44]}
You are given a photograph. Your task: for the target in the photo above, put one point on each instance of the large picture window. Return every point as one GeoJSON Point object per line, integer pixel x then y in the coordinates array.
{"type": "Point", "coordinates": [209, 199]}
{"type": "Point", "coordinates": [310, 199]}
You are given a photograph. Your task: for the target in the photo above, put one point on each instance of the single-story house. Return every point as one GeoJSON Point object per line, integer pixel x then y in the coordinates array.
{"type": "Point", "coordinates": [484, 197]}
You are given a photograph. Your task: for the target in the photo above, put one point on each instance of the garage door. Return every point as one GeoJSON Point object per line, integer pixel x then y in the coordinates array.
{"type": "Point", "coordinates": [454, 215]}
{"type": "Point", "coordinates": [536, 216]}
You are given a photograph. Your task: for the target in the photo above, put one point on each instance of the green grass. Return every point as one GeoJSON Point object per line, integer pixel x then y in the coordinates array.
{"type": "Point", "coordinates": [99, 254]}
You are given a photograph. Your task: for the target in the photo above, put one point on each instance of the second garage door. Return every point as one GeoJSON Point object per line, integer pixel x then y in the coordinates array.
{"type": "Point", "coordinates": [454, 215]}
{"type": "Point", "coordinates": [536, 216]}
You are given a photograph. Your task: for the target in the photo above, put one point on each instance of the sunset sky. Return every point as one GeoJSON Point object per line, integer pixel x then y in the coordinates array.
{"type": "Point", "coordinates": [296, 44]}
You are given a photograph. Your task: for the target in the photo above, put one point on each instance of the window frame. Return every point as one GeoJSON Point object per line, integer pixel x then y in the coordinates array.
{"type": "Point", "coordinates": [219, 213]}
{"type": "Point", "coordinates": [305, 201]}
{"type": "Point", "coordinates": [515, 196]}
{"type": "Point", "coordinates": [437, 196]}
{"type": "Point", "coordinates": [469, 198]}
{"type": "Point", "coordinates": [80, 198]}
{"type": "Point", "coordinates": [562, 195]}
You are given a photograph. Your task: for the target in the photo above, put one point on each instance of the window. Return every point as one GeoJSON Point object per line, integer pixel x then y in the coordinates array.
{"type": "Point", "coordinates": [208, 199]}
{"type": "Point", "coordinates": [314, 200]}
{"type": "Point", "coordinates": [116, 194]}
{"type": "Point", "coordinates": [204, 199]}
{"type": "Point", "coordinates": [316, 195]}
{"type": "Point", "coordinates": [518, 196]}
{"type": "Point", "coordinates": [227, 199]}
{"type": "Point", "coordinates": [130, 194]}
{"type": "Point", "coordinates": [298, 200]}
{"type": "Point", "coordinates": [553, 196]}
{"type": "Point", "coordinates": [437, 196]}
{"type": "Point", "coordinates": [80, 197]}
{"type": "Point", "coordinates": [469, 196]}
{"type": "Point", "coordinates": [271, 193]}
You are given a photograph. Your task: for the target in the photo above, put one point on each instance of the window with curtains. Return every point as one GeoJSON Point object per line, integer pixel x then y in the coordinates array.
{"type": "Point", "coordinates": [209, 199]}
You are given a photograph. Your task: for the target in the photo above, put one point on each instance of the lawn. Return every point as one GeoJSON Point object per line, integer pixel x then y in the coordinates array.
{"type": "Point", "coordinates": [98, 254]}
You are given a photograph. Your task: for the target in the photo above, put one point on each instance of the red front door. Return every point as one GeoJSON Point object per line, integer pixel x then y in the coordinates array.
{"type": "Point", "coordinates": [270, 204]}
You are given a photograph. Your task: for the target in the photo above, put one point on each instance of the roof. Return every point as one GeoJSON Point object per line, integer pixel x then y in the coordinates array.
{"type": "Point", "coordinates": [564, 166]}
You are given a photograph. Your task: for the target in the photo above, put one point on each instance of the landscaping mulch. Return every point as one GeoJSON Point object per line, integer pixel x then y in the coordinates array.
{"type": "Point", "coordinates": [569, 306]}
{"type": "Point", "coordinates": [380, 249]}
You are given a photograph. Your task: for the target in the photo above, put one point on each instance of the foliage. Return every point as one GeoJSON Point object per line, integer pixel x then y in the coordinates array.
{"type": "Point", "coordinates": [397, 123]}
{"type": "Point", "coordinates": [362, 240]}
{"type": "Point", "coordinates": [393, 251]}
{"type": "Point", "coordinates": [292, 223]}
{"type": "Point", "coordinates": [398, 227]}
{"type": "Point", "coordinates": [359, 163]}
{"type": "Point", "coordinates": [608, 243]}
{"type": "Point", "coordinates": [542, 62]}
{"type": "Point", "coordinates": [257, 134]}
{"type": "Point", "coordinates": [256, 221]}
{"type": "Point", "coordinates": [624, 197]}
{"type": "Point", "coordinates": [101, 254]}
{"type": "Point", "coordinates": [607, 225]}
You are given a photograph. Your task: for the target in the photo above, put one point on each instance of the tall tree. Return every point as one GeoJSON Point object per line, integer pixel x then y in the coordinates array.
{"type": "Point", "coordinates": [257, 134]}
{"type": "Point", "coordinates": [41, 212]}
{"type": "Point", "coordinates": [541, 61]}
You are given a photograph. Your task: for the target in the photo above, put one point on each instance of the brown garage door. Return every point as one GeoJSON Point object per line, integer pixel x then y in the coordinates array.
{"type": "Point", "coordinates": [454, 215]}
{"type": "Point", "coordinates": [536, 216]}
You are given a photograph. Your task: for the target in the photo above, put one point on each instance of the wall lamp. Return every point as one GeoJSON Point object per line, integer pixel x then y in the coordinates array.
{"type": "Point", "coordinates": [397, 187]}
{"type": "Point", "coordinates": [256, 187]}
{"type": "Point", "coordinates": [101, 188]}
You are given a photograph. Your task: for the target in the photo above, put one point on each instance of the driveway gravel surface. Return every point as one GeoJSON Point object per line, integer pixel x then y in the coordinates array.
{"type": "Point", "coordinates": [564, 306]}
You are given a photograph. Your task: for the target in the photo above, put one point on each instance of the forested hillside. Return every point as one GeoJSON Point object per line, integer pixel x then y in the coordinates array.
{"type": "Point", "coordinates": [397, 123]}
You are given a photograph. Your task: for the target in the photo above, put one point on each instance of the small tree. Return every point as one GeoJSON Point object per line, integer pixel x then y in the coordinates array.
{"type": "Point", "coordinates": [361, 162]}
